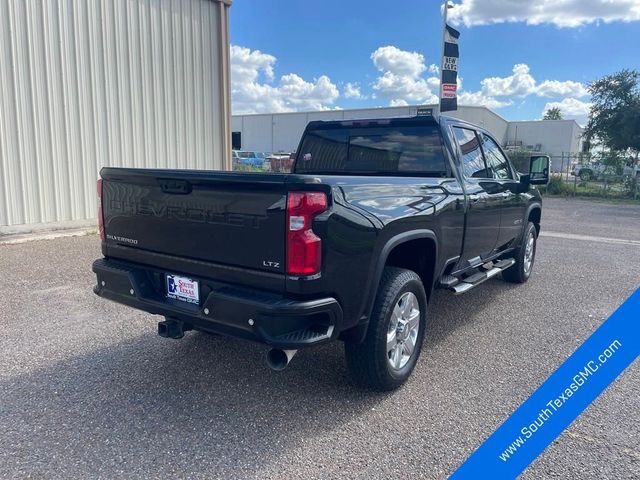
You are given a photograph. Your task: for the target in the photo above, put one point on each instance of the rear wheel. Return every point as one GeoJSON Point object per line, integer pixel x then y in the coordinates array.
{"type": "Point", "coordinates": [520, 271]}
{"type": "Point", "coordinates": [390, 350]}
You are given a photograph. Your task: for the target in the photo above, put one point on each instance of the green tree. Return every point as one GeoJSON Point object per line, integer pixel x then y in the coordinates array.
{"type": "Point", "coordinates": [614, 118]}
{"type": "Point", "coordinates": [554, 113]}
{"type": "Point", "coordinates": [613, 162]}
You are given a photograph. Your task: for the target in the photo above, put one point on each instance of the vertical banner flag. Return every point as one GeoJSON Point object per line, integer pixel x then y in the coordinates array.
{"type": "Point", "coordinates": [449, 78]}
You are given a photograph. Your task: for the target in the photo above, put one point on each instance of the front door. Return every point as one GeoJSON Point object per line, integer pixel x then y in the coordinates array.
{"type": "Point", "coordinates": [513, 203]}
{"type": "Point", "coordinates": [484, 200]}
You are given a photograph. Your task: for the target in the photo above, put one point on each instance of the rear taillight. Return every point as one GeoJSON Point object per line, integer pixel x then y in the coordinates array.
{"type": "Point", "coordinates": [100, 214]}
{"type": "Point", "coordinates": [304, 248]}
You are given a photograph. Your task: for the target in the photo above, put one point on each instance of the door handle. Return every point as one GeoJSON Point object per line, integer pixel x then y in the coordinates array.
{"type": "Point", "coordinates": [474, 198]}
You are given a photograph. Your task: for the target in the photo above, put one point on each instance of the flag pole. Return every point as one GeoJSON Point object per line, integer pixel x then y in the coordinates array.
{"type": "Point", "coordinates": [444, 30]}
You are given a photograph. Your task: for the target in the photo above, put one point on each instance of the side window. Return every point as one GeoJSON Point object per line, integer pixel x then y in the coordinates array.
{"type": "Point", "coordinates": [473, 165]}
{"type": "Point", "coordinates": [495, 158]}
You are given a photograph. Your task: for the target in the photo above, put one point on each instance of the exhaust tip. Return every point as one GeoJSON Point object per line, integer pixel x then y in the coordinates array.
{"type": "Point", "coordinates": [278, 359]}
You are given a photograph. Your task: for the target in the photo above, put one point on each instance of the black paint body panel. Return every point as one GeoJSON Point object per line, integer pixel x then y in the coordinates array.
{"type": "Point", "coordinates": [229, 228]}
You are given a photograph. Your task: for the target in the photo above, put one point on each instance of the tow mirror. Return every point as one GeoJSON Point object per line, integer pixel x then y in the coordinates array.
{"type": "Point", "coordinates": [539, 169]}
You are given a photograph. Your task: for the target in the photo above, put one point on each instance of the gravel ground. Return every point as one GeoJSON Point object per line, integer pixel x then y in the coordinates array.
{"type": "Point", "coordinates": [89, 390]}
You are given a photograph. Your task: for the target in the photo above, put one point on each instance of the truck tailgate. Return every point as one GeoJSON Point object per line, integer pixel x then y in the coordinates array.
{"type": "Point", "coordinates": [224, 218]}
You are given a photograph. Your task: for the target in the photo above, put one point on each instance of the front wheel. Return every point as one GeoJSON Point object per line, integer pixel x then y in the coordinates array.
{"type": "Point", "coordinates": [520, 271]}
{"type": "Point", "coordinates": [390, 350]}
{"type": "Point", "coordinates": [586, 175]}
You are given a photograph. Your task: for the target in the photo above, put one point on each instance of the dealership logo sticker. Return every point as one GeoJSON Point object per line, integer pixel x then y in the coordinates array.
{"type": "Point", "coordinates": [561, 398]}
{"type": "Point", "coordinates": [183, 289]}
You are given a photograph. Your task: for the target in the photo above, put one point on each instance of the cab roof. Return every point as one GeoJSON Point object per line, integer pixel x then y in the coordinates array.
{"type": "Point", "coordinates": [393, 121]}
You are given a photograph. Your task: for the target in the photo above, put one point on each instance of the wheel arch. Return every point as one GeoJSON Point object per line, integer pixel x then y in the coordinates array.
{"type": "Point", "coordinates": [395, 250]}
{"type": "Point", "coordinates": [534, 214]}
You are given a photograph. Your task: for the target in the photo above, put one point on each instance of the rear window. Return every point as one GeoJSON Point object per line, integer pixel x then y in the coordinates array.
{"type": "Point", "coordinates": [373, 150]}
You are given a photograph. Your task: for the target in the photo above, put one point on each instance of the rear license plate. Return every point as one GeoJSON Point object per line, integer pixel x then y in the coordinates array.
{"type": "Point", "coordinates": [183, 289]}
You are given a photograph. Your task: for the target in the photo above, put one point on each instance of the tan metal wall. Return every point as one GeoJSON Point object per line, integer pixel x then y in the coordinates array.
{"type": "Point", "coordinates": [92, 83]}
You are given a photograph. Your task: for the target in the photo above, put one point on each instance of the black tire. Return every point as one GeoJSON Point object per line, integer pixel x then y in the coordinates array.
{"type": "Point", "coordinates": [518, 272]}
{"type": "Point", "coordinates": [368, 361]}
{"type": "Point", "coordinates": [586, 175]}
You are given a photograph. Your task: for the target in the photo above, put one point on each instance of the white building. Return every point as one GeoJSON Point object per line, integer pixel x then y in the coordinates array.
{"type": "Point", "coordinates": [281, 132]}
{"type": "Point", "coordinates": [561, 139]}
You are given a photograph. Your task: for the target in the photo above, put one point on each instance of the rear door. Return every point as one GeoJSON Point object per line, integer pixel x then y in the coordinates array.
{"type": "Point", "coordinates": [485, 201]}
{"type": "Point", "coordinates": [513, 203]}
{"type": "Point", "coordinates": [237, 220]}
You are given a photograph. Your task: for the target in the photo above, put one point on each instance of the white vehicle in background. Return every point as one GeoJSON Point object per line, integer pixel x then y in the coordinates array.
{"type": "Point", "coordinates": [630, 169]}
{"type": "Point", "coordinates": [596, 171]}
{"type": "Point", "coordinates": [589, 171]}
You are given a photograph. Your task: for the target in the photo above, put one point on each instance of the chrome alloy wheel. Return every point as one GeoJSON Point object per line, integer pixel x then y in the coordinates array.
{"type": "Point", "coordinates": [403, 331]}
{"type": "Point", "coordinates": [529, 252]}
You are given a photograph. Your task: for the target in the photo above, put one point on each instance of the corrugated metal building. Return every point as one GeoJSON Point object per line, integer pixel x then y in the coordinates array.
{"type": "Point", "coordinates": [92, 83]}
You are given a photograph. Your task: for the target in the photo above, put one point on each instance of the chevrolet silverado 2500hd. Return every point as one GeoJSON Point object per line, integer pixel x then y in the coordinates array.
{"type": "Point", "coordinates": [351, 245]}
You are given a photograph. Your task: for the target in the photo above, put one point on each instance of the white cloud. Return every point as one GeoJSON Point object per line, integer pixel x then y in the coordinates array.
{"type": "Point", "coordinates": [398, 87]}
{"type": "Point", "coordinates": [398, 103]}
{"type": "Point", "coordinates": [401, 79]}
{"type": "Point", "coordinates": [402, 82]}
{"type": "Point", "coordinates": [570, 108]}
{"type": "Point", "coordinates": [252, 90]}
{"type": "Point", "coordinates": [434, 83]}
{"type": "Point", "coordinates": [352, 90]}
{"type": "Point", "coordinates": [247, 64]}
{"type": "Point", "coordinates": [478, 99]}
{"type": "Point", "coordinates": [562, 13]}
{"type": "Point", "coordinates": [520, 84]}
{"type": "Point", "coordinates": [497, 92]}
{"type": "Point", "coordinates": [400, 62]}
{"type": "Point", "coordinates": [555, 88]}
{"type": "Point", "coordinates": [314, 95]}
{"type": "Point", "coordinates": [404, 79]}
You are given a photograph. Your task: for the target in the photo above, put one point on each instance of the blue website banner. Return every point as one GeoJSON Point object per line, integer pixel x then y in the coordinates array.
{"type": "Point", "coordinates": [560, 399]}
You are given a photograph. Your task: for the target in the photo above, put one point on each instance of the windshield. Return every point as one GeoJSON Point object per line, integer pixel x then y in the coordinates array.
{"type": "Point", "coordinates": [373, 150]}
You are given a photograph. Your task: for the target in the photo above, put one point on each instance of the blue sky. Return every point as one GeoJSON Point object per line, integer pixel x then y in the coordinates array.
{"type": "Point", "coordinates": [292, 55]}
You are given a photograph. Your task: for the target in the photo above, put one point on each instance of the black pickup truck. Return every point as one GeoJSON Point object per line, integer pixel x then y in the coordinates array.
{"type": "Point", "coordinates": [350, 246]}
